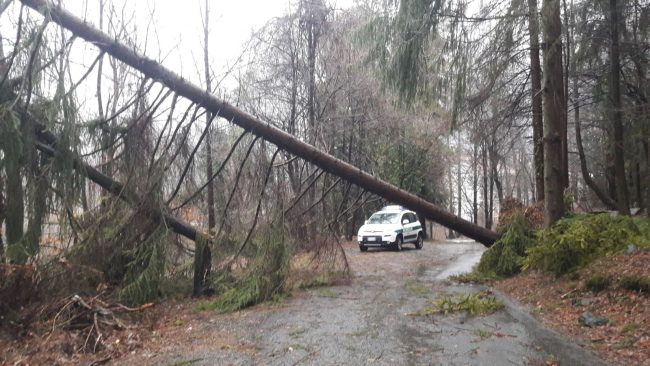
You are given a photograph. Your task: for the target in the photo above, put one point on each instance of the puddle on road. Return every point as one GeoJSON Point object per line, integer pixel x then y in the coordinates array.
{"type": "Point", "coordinates": [463, 264]}
{"type": "Point", "coordinates": [460, 241]}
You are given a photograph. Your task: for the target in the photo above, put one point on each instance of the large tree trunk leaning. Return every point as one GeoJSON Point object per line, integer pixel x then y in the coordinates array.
{"type": "Point", "coordinates": [268, 132]}
{"type": "Point", "coordinates": [536, 90]}
{"type": "Point", "coordinates": [553, 91]}
{"type": "Point", "coordinates": [601, 194]}
{"type": "Point", "coordinates": [584, 169]}
{"type": "Point", "coordinates": [617, 115]}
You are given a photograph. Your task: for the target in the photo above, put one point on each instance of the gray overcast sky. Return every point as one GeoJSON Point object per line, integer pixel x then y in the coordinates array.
{"type": "Point", "coordinates": [174, 33]}
{"type": "Point", "coordinates": [178, 27]}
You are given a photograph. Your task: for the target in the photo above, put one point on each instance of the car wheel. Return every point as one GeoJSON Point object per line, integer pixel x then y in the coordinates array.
{"type": "Point", "coordinates": [419, 242]}
{"type": "Point", "coordinates": [398, 244]}
{"type": "Point", "coordinates": [363, 248]}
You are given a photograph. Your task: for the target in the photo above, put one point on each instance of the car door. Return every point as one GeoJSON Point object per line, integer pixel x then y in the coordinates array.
{"type": "Point", "coordinates": [408, 227]}
{"type": "Point", "coordinates": [416, 226]}
{"type": "Point", "coordinates": [404, 222]}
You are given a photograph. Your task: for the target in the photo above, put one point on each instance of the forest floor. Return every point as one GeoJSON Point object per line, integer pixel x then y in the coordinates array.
{"type": "Point", "coordinates": [378, 318]}
{"type": "Point", "coordinates": [559, 303]}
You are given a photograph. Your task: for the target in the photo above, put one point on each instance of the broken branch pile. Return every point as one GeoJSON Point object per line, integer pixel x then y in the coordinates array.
{"type": "Point", "coordinates": [91, 317]}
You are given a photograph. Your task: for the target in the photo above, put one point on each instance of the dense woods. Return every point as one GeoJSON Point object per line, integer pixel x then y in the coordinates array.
{"type": "Point", "coordinates": [462, 105]}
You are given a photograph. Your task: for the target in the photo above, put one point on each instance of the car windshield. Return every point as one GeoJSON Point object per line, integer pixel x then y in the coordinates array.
{"type": "Point", "coordinates": [384, 218]}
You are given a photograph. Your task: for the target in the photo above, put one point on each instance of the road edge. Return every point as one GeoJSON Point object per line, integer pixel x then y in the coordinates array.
{"type": "Point", "coordinates": [560, 346]}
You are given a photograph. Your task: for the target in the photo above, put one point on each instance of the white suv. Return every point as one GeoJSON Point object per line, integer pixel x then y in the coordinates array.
{"type": "Point", "coordinates": [391, 227]}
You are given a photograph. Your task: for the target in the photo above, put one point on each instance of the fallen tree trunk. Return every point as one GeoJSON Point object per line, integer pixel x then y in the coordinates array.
{"type": "Point", "coordinates": [47, 144]}
{"type": "Point", "coordinates": [282, 139]}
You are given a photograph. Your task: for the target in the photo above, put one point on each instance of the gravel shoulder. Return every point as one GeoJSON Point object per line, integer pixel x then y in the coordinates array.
{"type": "Point", "coordinates": [369, 321]}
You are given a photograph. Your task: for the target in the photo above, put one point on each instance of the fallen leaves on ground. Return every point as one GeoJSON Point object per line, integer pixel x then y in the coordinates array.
{"type": "Point", "coordinates": [144, 335]}
{"type": "Point", "coordinates": [559, 302]}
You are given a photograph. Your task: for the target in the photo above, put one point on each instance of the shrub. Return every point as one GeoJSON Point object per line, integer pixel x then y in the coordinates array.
{"type": "Point", "coordinates": [506, 255]}
{"type": "Point", "coordinates": [597, 283]}
{"type": "Point", "coordinates": [263, 281]}
{"type": "Point", "coordinates": [511, 207]}
{"type": "Point", "coordinates": [576, 241]}
{"type": "Point", "coordinates": [636, 283]}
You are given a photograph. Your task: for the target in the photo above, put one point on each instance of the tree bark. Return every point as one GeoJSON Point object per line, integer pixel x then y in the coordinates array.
{"type": "Point", "coordinates": [208, 138]}
{"type": "Point", "coordinates": [565, 104]}
{"type": "Point", "coordinates": [553, 112]}
{"type": "Point", "coordinates": [264, 130]}
{"type": "Point", "coordinates": [646, 153]}
{"type": "Point", "coordinates": [203, 250]}
{"type": "Point", "coordinates": [622, 197]}
{"type": "Point", "coordinates": [475, 185]}
{"type": "Point", "coordinates": [536, 90]}
{"type": "Point", "coordinates": [14, 198]}
{"type": "Point", "coordinates": [3, 215]}
{"type": "Point", "coordinates": [459, 178]}
{"type": "Point", "coordinates": [486, 199]}
{"type": "Point", "coordinates": [601, 194]}
{"type": "Point", "coordinates": [450, 181]}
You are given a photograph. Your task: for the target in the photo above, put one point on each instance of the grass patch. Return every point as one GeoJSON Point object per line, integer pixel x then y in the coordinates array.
{"type": "Point", "coordinates": [597, 283]}
{"type": "Point", "coordinates": [483, 334]}
{"type": "Point", "coordinates": [179, 322]}
{"type": "Point", "coordinates": [475, 277]}
{"type": "Point", "coordinates": [360, 333]}
{"type": "Point", "coordinates": [636, 283]}
{"type": "Point", "coordinates": [630, 327]}
{"type": "Point", "coordinates": [626, 342]}
{"type": "Point", "coordinates": [475, 304]}
{"type": "Point", "coordinates": [327, 292]}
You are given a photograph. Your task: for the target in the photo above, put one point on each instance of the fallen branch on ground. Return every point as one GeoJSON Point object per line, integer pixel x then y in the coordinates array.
{"type": "Point", "coordinates": [90, 317]}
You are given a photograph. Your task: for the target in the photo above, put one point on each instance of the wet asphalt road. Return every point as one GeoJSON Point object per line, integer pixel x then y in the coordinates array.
{"type": "Point", "coordinates": [371, 322]}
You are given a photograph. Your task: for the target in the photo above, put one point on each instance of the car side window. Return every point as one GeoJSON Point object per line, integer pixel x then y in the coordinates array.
{"type": "Point", "coordinates": [414, 218]}
{"type": "Point", "coordinates": [406, 217]}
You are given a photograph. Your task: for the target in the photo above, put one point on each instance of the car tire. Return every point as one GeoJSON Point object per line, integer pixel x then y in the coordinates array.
{"type": "Point", "coordinates": [398, 243]}
{"type": "Point", "coordinates": [363, 248]}
{"type": "Point", "coordinates": [419, 242]}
